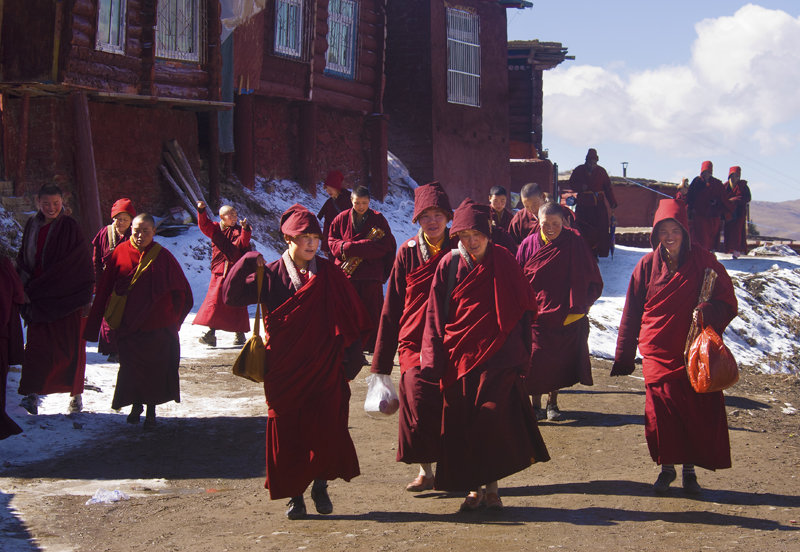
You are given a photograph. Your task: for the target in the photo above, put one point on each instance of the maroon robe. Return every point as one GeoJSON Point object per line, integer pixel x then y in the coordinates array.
{"type": "Point", "coordinates": [707, 205]}
{"type": "Point", "coordinates": [328, 212]}
{"type": "Point", "coordinates": [502, 221]}
{"type": "Point", "coordinates": [735, 229]}
{"type": "Point", "coordinates": [681, 426]}
{"type": "Point", "coordinates": [346, 242]}
{"type": "Point", "coordinates": [401, 328]}
{"type": "Point", "coordinates": [12, 346]}
{"type": "Point", "coordinates": [522, 225]}
{"type": "Point", "coordinates": [591, 215]}
{"type": "Point", "coordinates": [308, 326]}
{"type": "Point", "coordinates": [55, 266]}
{"type": "Point", "coordinates": [103, 248]}
{"type": "Point", "coordinates": [149, 348]}
{"type": "Point", "coordinates": [480, 351]}
{"type": "Point", "coordinates": [227, 247]}
{"type": "Point", "coordinates": [566, 280]}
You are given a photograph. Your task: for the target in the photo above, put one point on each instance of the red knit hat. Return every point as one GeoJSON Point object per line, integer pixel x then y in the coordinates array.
{"type": "Point", "coordinates": [334, 180]}
{"type": "Point", "coordinates": [428, 196]}
{"type": "Point", "coordinates": [674, 209]}
{"type": "Point", "coordinates": [706, 166]}
{"type": "Point", "coordinates": [298, 220]}
{"type": "Point", "coordinates": [735, 169]}
{"type": "Point", "coordinates": [471, 216]}
{"type": "Point", "coordinates": [123, 205]}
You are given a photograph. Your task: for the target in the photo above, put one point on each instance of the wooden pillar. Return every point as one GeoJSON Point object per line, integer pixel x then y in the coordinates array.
{"type": "Point", "coordinates": [378, 164]}
{"type": "Point", "coordinates": [22, 146]}
{"type": "Point", "coordinates": [214, 94]}
{"type": "Point", "coordinates": [244, 138]}
{"type": "Point", "coordinates": [85, 172]}
{"type": "Point", "coordinates": [538, 103]}
{"type": "Point", "coordinates": [308, 147]}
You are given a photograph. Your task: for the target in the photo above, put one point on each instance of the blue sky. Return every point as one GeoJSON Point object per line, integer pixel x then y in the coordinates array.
{"type": "Point", "coordinates": [666, 85]}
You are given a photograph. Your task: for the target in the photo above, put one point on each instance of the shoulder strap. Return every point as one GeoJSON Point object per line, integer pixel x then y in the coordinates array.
{"type": "Point", "coordinates": [451, 280]}
{"type": "Point", "coordinates": [259, 282]}
{"type": "Point", "coordinates": [145, 263]}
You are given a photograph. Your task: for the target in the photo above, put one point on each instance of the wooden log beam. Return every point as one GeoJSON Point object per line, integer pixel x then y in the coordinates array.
{"type": "Point", "coordinates": [85, 171]}
{"type": "Point", "coordinates": [22, 151]}
{"type": "Point", "coordinates": [180, 179]}
{"type": "Point", "coordinates": [178, 192]}
{"type": "Point", "coordinates": [177, 152]}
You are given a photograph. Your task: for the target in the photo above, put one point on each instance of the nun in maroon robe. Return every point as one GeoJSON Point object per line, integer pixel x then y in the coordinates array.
{"type": "Point", "coordinates": [11, 342]}
{"type": "Point", "coordinates": [401, 327]}
{"type": "Point", "coordinates": [122, 213]}
{"type": "Point", "coordinates": [593, 186]}
{"type": "Point", "coordinates": [55, 266]}
{"type": "Point", "coordinates": [681, 426]}
{"type": "Point", "coordinates": [229, 241]}
{"type": "Point", "coordinates": [338, 201]}
{"type": "Point", "coordinates": [525, 221]}
{"type": "Point", "coordinates": [477, 342]}
{"type": "Point", "coordinates": [707, 205]}
{"type": "Point", "coordinates": [567, 281]}
{"type": "Point", "coordinates": [313, 322]}
{"type": "Point", "coordinates": [156, 305]}
{"type": "Point", "coordinates": [735, 229]}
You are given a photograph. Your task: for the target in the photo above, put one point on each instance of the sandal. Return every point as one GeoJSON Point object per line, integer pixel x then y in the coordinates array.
{"type": "Point", "coordinates": [473, 501]}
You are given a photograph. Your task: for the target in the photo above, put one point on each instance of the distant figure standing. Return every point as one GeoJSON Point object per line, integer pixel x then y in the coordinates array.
{"type": "Point", "coordinates": [12, 346]}
{"type": "Point", "coordinates": [55, 265]}
{"type": "Point", "coordinates": [707, 205]}
{"type": "Point", "coordinates": [104, 243]}
{"type": "Point", "coordinates": [735, 229]}
{"type": "Point", "coordinates": [593, 186]}
{"type": "Point", "coordinates": [683, 190]}
{"type": "Point", "coordinates": [229, 241]}
{"type": "Point", "coordinates": [500, 216]}
{"type": "Point", "coordinates": [338, 201]}
{"type": "Point", "coordinates": [525, 221]}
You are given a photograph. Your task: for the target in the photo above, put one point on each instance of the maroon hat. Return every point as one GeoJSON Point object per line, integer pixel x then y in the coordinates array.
{"type": "Point", "coordinates": [471, 216]}
{"type": "Point", "coordinates": [736, 169]}
{"type": "Point", "coordinates": [123, 205]}
{"type": "Point", "coordinates": [592, 154]}
{"type": "Point", "coordinates": [673, 209]}
{"type": "Point", "coordinates": [298, 220]}
{"type": "Point", "coordinates": [334, 180]}
{"type": "Point", "coordinates": [431, 195]}
{"type": "Point", "coordinates": [706, 166]}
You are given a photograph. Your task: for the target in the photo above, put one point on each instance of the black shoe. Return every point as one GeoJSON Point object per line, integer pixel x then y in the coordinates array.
{"type": "Point", "coordinates": [661, 486]}
{"type": "Point", "coordinates": [690, 484]}
{"type": "Point", "coordinates": [136, 412]}
{"type": "Point", "coordinates": [209, 338]}
{"type": "Point", "coordinates": [113, 358]}
{"type": "Point", "coordinates": [297, 508]}
{"type": "Point", "coordinates": [240, 339]}
{"type": "Point", "coordinates": [322, 502]}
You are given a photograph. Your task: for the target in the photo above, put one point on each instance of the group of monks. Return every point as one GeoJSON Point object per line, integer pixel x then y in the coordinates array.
{"type": "Point", "coordinates": [717, 210]}
{"type": "Point", "coordinates": [480, 318]}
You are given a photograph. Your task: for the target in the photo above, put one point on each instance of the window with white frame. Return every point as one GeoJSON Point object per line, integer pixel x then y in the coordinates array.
{"type": "Point", "coordinates": [111, 26]}
{"type": "Point", "coordinates": [463, 57]}
{"type": "Point", "coordinates": [342, 38]}
{"type": "Point", "coordinates": [289, 28]}
{"type": "Point", "coordinates": [178, 29]}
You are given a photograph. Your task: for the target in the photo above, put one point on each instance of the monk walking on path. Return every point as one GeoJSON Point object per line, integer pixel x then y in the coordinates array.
{"type": "Point", "coordinates": [229, 241]}
{"type": "Point", "coordinates": [707, 204]}
{"type": "Point", "coordinates": [735, 229]}
{"type": "Point", "coordinates": [681, 425]}
{"type": "Point", "coordinates": [338, 201]}
{"type": "Point", "coordinates": [526, 221]}
{"type": "Point", "coordinates": [145, 296]}
{"type": "Point", "coordinates": [55, 266]}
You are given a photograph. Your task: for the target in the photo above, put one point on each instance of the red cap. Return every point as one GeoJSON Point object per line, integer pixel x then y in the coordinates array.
{"type": "Point", "coordinates": [298, 220]}
{"type": "Point", "coordinates": [431, 195]}
{"type": "Point", "coordinates": [471, 216]}
{"type": "Point", "coordinates": [334, 180]}
{"type": "Point", "coordinates": [674, 209]}
{"type": "Point", "coordinates": [706, 166]}
{"type": "Point", "coordinates": [123, 205]}
{"type": "Point", "coordinates": [735, 169]}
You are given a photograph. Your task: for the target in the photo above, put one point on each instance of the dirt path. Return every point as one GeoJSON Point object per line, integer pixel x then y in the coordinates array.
{"type": "Point", "coordinates": [197, 484]}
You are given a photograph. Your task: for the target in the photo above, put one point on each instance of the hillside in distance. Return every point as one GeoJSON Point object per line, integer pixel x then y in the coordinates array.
{"type": "Point", "coordinates": [777, 219]}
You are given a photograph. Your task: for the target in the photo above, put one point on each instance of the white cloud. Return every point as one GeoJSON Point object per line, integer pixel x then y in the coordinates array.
{"type": "Point", "coordinates": [742, 81]}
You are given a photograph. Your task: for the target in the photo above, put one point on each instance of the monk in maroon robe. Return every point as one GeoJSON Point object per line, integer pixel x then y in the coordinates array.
{"type": "Point", "coordinates": [12, 347]}
{"type": "Point", "coordinates": [735, 229]}
{"type": "Point", "coordinates": [477, 342]}
{"type": "Point", "coordinates": [707, 204]}
{"type": "Point", "coordinates": [55, 266]}
{"type": "Point", "coordinates": [525, 221]}
{"type": "Point", "coordinates": [338, 201]}
{"type": "Point", "coordinates": [683, 190]}
{"type": "Point", "coordinates": [122, 213]}
{"type": "Point", "coordinates": [401, 327]}
{"type": "Point", "coordinates": [593, 186]}
{"type": "Point", "coordinates": [313, 324]}
{"type": "Point", "coordinates": [681, 426]}
{"type": "Point", "coordinates": [500, 216]}
{"type": "Point", "coordinates": [229, 241]}
{"type": "Point", "coordinates": [567, 282]}
{"type": "Point", "coordinates": [158, 299]}
{"type": "Point", "coordinates": [349, 239]}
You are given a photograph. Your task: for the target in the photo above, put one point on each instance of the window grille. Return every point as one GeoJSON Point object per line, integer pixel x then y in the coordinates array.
{"type": "Point", "coordinates": [178, 30]}
{"type": "Point", "coordinates": [342, 37]}
{"type": "Point", "coordinates": [289, 27]}
{"type": "Point", "coordinates": [463, 58]}
{"type": "Point", "coordinates": [111, 26]}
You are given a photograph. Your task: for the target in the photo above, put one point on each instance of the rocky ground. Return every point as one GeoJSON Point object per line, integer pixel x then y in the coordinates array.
{"type": "Point", "coordinates": [197, 484]}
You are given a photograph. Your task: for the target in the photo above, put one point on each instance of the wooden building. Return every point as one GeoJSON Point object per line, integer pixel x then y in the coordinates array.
{"type": "Point", "coordinates": [309, 76]}
{"type": "Point", "coordinates": [447, 92]}
{"type": "Point", "coordinates": [91, 90]}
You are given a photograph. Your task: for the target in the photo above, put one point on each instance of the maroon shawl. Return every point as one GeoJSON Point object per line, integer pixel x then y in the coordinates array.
{"type": "Point", "coordinates": [11, 342]}
{"type": "Point", "coordinates": [346, 242]}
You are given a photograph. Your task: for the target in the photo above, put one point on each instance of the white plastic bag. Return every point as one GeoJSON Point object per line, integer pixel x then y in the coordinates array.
{"type": "Point", "coordinates": [102, 496]}
{"type": "Point", "coordinates": [382, 400]}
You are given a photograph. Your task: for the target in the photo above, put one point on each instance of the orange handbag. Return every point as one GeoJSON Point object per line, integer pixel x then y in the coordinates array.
{"type": "Point", "coordinates": [710, 366]}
